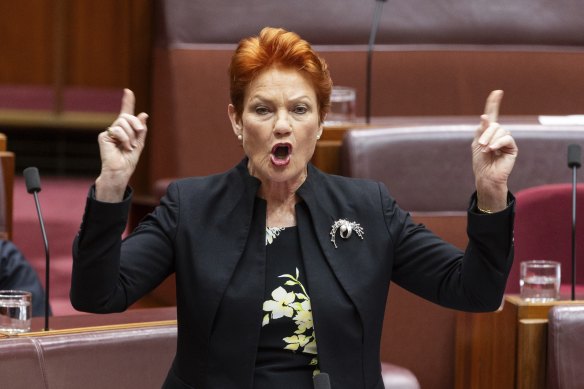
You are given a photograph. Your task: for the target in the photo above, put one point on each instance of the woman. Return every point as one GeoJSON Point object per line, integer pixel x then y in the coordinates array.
{"type": "Point", "coordinates": [283, 271]}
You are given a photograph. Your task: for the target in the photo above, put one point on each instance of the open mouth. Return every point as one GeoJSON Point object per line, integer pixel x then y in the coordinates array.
{"type": "Point", "coordinates": [281, 154]}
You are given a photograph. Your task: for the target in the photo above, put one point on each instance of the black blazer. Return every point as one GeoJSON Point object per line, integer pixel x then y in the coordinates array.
{"type": "Point", "coordinates": [211, 232]}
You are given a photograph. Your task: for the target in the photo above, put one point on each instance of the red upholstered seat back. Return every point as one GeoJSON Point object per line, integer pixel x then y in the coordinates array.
{"type": "Point", "coordinates": [565, 344]}
{"type": "Point", "coordinates": [543, 230]}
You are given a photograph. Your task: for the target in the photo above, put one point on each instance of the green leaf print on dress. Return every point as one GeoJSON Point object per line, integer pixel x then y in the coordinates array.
{"type": "Point", "coordinates": [296, 307]}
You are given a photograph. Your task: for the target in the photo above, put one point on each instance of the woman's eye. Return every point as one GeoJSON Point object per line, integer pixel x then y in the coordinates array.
{"type": "Point", "coordinates": [300, 109]}
{"type": "Point", "coordinates": [262, 110]}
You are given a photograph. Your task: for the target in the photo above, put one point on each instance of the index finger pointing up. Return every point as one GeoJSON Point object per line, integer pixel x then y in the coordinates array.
{"type": "Point", "coordinates": [128, 102]}
{"type": "Point", "coordinates": [492, 105]}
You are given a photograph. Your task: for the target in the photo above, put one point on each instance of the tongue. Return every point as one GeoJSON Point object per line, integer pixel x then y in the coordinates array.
{"type": "Point", "coordinates": [279, 160]}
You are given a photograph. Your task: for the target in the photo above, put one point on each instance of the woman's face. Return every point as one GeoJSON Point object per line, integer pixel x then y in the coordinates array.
{"type": "Point", "coordinates": [279, 125]}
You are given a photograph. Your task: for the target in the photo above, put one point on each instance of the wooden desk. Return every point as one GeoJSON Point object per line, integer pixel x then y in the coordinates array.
{"type": "Point", "coordinates": [83, 320]}
{"type": "Point", "coordinates": [327, 155]}
{"type": "Point", "coordinates": [503, 349]}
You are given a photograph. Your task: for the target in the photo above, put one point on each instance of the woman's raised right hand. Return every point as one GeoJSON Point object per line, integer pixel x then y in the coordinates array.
{"type": "Point", "coordinates": [120, 147]}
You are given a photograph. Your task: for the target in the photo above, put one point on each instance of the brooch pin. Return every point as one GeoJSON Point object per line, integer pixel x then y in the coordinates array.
{"type": "Point", "coordinates": [345, 229]}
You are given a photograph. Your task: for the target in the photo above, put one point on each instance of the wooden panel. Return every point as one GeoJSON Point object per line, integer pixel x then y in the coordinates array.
{"type": "Point", "coordinates": [26, 43]}
{"type": "Point", "coordinates": [504, 349]}
{"type": "Point", "coordinates": [449, 226]}
{"type": "Point", "coordinates": [419, 335]}
{"type": "Point", "coordinates": [103, 43]}
{"type": "Point", "coordinates": [327, 156]}
{"type": "Point", "coordinates": [108, 44]}
{"type": "Point", "coordinates": [532, 354]}
{"type": "Point", "coordinates": [97, 39]}
{"type": "Point", "coordinates": [7, 165]}
{"type": "Point", "coordinates": [485, 349]}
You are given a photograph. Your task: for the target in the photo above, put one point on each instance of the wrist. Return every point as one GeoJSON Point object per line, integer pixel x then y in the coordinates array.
{"type": "Point", "coordinates": [110, 188]}
{"type": "Point", "coordinates": [487, 203]}
{"type": "Point", "coordinates": [491, 198]}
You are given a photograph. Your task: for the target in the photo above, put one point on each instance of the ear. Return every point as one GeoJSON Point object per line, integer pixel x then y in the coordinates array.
{"type": "Point", "coordinates": [320, 129]}
{"type": "Point", "coordinates": [235, 120]}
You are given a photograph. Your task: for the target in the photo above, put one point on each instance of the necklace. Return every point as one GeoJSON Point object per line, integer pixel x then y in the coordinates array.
{"type": "Point", "coordinates": [272, 233]}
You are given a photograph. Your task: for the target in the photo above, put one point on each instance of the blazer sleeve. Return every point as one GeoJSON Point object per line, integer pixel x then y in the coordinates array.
{"type": "Point", "coordinates": [110, 274]}
{"type": "Point", "coordinates": [473, 280]}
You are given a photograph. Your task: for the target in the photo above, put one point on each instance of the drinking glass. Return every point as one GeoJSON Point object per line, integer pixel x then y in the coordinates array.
{"type": "Point", "coordinates": [15, 311]}
{"type": "Point", "coordinates": [540, 281]}
{"type": "Point", "coordinates": [342, 105]}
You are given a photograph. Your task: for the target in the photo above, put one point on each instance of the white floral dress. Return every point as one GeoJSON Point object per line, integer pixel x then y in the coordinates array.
{"type": "Point", "coordinates": [287, 353]}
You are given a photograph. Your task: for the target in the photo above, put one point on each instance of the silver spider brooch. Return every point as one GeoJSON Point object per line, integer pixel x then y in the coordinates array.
{"type": "Point", "coordinates": [345, 229]}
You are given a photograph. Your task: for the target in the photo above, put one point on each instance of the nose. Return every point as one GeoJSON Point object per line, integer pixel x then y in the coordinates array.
{"type": "Point", "coordinates": [283, 125]}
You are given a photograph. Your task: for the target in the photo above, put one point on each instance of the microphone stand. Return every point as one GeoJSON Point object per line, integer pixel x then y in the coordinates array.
{"type": "Point", "coordinates": [574, 232]}
{"type": "Point", "coordinates": [47, 258]}
{"type": "Point", "coordinates": [33, 186]}
{"type": "Point", "coordinates": [574, 162]}
{"type": "Point", "coordinates": [374, 28]}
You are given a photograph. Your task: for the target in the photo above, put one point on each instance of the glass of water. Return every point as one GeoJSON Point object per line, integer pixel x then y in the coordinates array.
{"type": "Point", "coordinates": [540, 281]}
{"type": "Point", "coordinates": [15, 311]}
{"type": "Point", "coordinates": [342, 105]}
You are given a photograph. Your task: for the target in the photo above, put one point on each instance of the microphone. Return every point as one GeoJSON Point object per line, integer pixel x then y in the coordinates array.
{"type": "Point", "coordinates": [574, 162]}
{"type": "Point", "coordinates": [373, 33]}
{"type": "Point", "coordinates": [574, 152]}
{"type": "Point", "coordinates": [33, 185]}
{"type": "Point", "coordinates": [322, 381]}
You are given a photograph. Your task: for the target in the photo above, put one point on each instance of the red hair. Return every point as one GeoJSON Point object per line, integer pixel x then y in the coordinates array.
{"type": "Point", "coordinates": [277, 47]}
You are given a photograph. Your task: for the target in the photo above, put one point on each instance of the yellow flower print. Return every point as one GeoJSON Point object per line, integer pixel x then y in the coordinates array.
{"type": "Point", "coordinates": [296, 341]}
{"type": "Point", "coordinates": [310, 348]}
{"type": "Point", "coordinates": [303, 318]}
{"type": "Point", "coordinates": [297, 307]}
{"type": "Point", "coordinates": [279, 305]}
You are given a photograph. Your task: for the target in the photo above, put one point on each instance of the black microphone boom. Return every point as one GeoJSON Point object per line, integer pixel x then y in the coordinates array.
{"type": "Point", "coordinates": [373, 33]}
{"type": "Point", "coordinates": [33, 185]}
{"type": "Point", "coordinates": [574, 162]}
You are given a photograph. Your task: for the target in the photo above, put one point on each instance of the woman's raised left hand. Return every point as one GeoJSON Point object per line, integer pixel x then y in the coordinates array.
{"type": "Point", "coordinates": [493, 156]}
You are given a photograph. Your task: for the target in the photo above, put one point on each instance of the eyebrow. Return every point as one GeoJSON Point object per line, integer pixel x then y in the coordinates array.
{"type": "Point", "coordinates": [263, 98]}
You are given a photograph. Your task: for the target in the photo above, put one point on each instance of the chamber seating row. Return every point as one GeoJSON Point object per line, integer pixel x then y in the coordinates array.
{"type": "Point", "coordinates": [108, 357]}
{"type": "Point", "coordinates": [122, 356]}
{"type": "Point", "coordinates": [429, 60]}
{"type": "Point", "coordinates": [138, 355]}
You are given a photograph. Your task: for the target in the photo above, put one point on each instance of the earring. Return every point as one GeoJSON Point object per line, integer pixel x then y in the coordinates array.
{"type": "Point", "coordinates": [318, 137]}
{"type": "Point", "coordinates": [239, 137]}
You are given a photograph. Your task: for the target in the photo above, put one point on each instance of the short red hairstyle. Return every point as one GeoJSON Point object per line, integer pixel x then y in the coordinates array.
{"type": "Point", "coordinates": [277, 47]}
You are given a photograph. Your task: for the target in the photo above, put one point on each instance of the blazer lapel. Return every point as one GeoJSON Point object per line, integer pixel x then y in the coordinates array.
{"type": "Point", "coordinates": [234, 282]}
{"type": "Point", "coordinates": [337, 297]}
{"type": "Point", "coordinates": [324, 211]}
{"type": "Point", "coordinates": [231, 228]}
